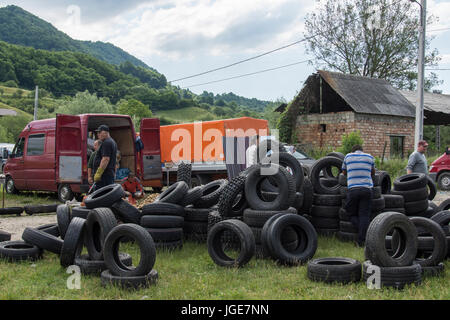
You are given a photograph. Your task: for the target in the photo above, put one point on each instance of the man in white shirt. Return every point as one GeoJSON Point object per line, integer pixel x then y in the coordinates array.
{"type": "Point", "coordinates": [251, 153]}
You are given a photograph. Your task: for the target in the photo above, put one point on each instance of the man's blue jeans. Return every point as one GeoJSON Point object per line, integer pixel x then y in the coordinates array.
{"type": "Point", "coordinates": [358, 207]}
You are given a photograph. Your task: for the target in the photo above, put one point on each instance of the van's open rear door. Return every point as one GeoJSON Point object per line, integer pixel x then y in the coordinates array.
{"type": "Point", "coordinates": [68, 149]}
{"type": "Point", "coordinates": [150, 156]}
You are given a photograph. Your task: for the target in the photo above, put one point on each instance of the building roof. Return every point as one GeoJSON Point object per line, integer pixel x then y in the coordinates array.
{"type": "Point", "coordinates": [368, 95]}
{"type": "Point", "coordinates": [7, 112]}
{"type": "Point", "coordinates": [436, 106]}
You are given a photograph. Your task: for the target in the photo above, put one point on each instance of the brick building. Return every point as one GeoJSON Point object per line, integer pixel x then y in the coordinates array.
{"type": "Point", "coordinates": [333, 104]}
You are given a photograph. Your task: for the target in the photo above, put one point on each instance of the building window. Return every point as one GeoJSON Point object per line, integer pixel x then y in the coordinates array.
{"type": "Point", "coordinates": [323, 128]}
{"type": "Point", "coordinates": [396, 147]}
{"type": "Point", "coordinates": [35, 145]}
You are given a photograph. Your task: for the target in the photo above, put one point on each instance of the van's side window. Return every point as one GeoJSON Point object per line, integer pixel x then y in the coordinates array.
{"type": "Point", "coordinates": [36, 144]}
{"type": "Point", "coordinates": [18, 149]}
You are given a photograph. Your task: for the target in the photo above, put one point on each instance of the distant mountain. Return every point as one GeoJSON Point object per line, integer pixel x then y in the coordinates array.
{"type": "Point", "coordinates": [20, 27]}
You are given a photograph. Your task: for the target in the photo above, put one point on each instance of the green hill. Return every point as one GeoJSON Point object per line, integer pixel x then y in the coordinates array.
{"type": "Point", "coordinates": [20, 27]}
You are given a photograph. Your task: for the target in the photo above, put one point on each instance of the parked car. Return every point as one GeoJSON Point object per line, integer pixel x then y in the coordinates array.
{"type": "Point", "coordinates": [305, 160]}
{"type": "Point", "coordinates": [440, 170]}
{"type": "Point", "coordinates": [5, 150]}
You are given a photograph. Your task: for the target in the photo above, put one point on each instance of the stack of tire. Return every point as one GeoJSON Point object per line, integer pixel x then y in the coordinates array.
{"type": "Point", "coordinates": [426, 243]}
{"type": "Point", "coordinates": [416, 189]}
{"type": "Point", "coordinates": [262, 208]}
{"type": "Point", "coordinates": [327, 199]}
{"type": "Point", "coordinates": [381, 182]}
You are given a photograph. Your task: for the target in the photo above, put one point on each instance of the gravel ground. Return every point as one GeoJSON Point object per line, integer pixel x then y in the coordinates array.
{"type": "Point", "coordinates": [16, 225]}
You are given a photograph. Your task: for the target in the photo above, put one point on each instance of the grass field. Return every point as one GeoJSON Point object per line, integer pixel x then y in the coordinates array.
{"type": "Point", "coordinates": [190, 273]}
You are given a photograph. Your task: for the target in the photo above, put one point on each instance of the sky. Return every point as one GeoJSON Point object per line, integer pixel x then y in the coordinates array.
{"type": "Point", "coordinates": [180, 38]}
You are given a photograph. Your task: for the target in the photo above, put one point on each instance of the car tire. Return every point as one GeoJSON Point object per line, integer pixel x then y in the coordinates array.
{"type": "Point", "coordinates": [63, 218]}
{"type": "Point", "coordinates": [163, 208]}
{"type": "Point", "coordinates": [410, 181]}
{"type": "Point", "coordinates": [396, 277]}
{"type": "Point", "coordinates": [329, 270]}
{"type": "Point", "coordinates": [104, 197]}
{"type": "Point", "coordinates": [19, 251]}
{"type": "Point", "coordinates": [126, 212]}
{"type": "Point", "coordinates": [232, 201]}
{"type": "Point", "coordinates": [320, 165]}
{"type": "Point", "coordinates": [443, 181]}
{"type": "Point", "coordinates": [191, 196]}
{"type": "Point", "coordinates": [42, 240]}
{"type": "Point", "coordinates": [439, 251]}
{"type": "Point", "coordinates": [162, 221]}
{"type": "Point", "coordinates": [133, 282]}
{"type": "Point", "coordinates": [174, 193]}
{"type": "Point", "coordinates": [95, 267]}
{"type": "Point", "coordinates": [99, 223]}
{"type": "Point", "coordinates": [73, 242]}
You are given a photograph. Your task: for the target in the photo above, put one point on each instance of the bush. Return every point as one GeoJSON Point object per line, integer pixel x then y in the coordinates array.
{"type": "Point", "coordinates": [10, 84]}
{"type": "Point", "coordinates": [349, 140]}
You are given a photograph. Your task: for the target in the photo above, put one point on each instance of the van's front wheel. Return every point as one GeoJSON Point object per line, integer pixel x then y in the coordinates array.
{"type": "Point", "coordinates": [65, 193]}
{"type": "Point", "coordinates": [444, 181]}
{"type": "Point", "coordinates": [10, 186]}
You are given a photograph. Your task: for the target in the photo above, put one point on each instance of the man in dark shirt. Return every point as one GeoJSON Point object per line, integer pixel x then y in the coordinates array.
{"type": "Point", "coordinates": [91, 171]}
{"type": "Point", "coordinates": [105, 159]}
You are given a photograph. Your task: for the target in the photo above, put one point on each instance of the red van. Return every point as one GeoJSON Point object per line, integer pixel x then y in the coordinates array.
{"type": "Point", "coordinates": [440, 170]}
{"type": "Point", "coordinates": [52, 154]}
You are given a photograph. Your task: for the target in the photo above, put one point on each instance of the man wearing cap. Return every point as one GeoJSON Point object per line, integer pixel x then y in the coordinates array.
{"type": "Point", "coordinates": [417, 161]}
{"type": "Point", "coordinates": [105, 159]}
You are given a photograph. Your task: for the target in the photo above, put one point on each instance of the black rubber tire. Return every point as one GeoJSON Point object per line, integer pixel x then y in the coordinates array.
{"type": "Point", "coordinates": [415, 207]}
{"type": "Point", "coordinates": [396, 277]}
{"type": "Point", "coordinates": [100, 222]}
{"type": "Point", "coordinates": [325, 211]}
{"type": "Point", "coordinates": [191, 196]}
{"type": "Point", "coordinates": [63, 218]}
{"type": "Point", "coordinates": [342, 180]}
{"type": "Point", "coordinates": [197, 214]}
{"type": "Point", "coordinates": [440, 242]}
{"type": "Point", "coordinates": [211, 193]}
{"type": "Point", "coordinates": [135, 282]}
{"type": "Point", "coordinates": [298, 202]}
{"type": "Point", "coordinates": [382, 179]}
{"type": "Point", "coordinates": [42, 240]}
{"type": "Point", "coordinates": [184, 172]}
{"type": "Point", "coordinates": [377, 205]}
{"type": "Point", "coordinates": [51, 228]}
{"type": "Point", "coordinates": [282, 179]}
{"type": "Point", "coordinates": [393, 201]}
{"type": "Point", "coordinates": [399, 210]}
{"type": "Point", "coordinates": [308, 194]}
{"type": "Point", "coordinates": [413, 194]}
{"type": "Point", "coordinates": [215, 245]}
{"type": "Point", "coordinates": [146, 245]}
{"type": "Point", "coordinates": [443, 219]}
{"type": "Point", "coordinates": [165, 234]}
{"type": "Point", "coordinates": [410, 181]}
{"type": "Point", "coordinates": [375, 246]}
{"type": "Point", "coordinates": [327, 199]}
{"type": "Point", "coordinates": [347, 227]}
{"type": "Point", "coordinates": [445, 205]}
{"type": "Point", "coordinates": [174, 193]}
{"type": "Point", "coordinates": [11, 210]}
{"type": "Point", "coordinates": [10, 186]}
{"type": "Point", "coordinates": [318, 166]}
{"type": "Point", "coordinates": [95, 267]}
{"type": "Point", "coordinates": [324, 223]}
{"type": "Point", "coordinates": [257, 218]}
{"type": "Point", "coordinates": [5, 236]}
{"type": "Point", "coordinates": [163, 208]}
{"type": "Point", "coordinates": [80, 212]}
{"type": "Point", "coordinates": [285, 160]}
{"type": "Point", "coordinates": [336, 154]}
{"type": "Point", "coordinates": [277, 249]}
{"type": "Point", "coordinates": [196, 228]}
{"type": "Point", "coordinates": [104, 197]}
{"type": "Point", "coordinates": [431, 187]}
{"type": "Point", "coordinates": [162, 222]}
{"type": "Point", "coordinates": [40, 208]}
{"type": "Point", "coordinates": [433, 271]}
{"type": "Point", "coordinates": [232, 201]}
{"type": "Point", "coordinates": [73, 242]}
{"type": "Point", "coordinates": [329, 270]}
{"type": "Point", "coordinates": [126, 212]}
{"type": "Point", "coordinates": [19, 251]}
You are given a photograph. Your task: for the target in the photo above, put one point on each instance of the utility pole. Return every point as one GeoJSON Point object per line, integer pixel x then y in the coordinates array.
{"type": "Point", "coordinates": [421, 72]}
{"type": "Point", "coordinates": [36, 96]}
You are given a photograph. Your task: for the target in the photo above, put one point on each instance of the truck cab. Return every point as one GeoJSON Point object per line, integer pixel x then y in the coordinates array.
{"type": "Point", "coordinates": [440, 170]}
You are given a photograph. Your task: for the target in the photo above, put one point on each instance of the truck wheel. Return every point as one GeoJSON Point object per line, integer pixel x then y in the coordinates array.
{"type": "Point", "coordinates": [65, 193]}
{"type": "Point", "coordinates": [10, 186]}
{"type": "Point", "coordinates": [444, 181]}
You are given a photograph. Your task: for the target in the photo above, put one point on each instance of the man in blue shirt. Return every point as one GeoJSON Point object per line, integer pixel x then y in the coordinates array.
{"type": "Point", "coordinates": [359, 167]}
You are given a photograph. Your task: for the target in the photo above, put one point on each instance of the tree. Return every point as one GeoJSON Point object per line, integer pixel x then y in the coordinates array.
{"type": "Point", "coordinates": [373, 38]}
{"type": "Point", "coordinates": [84, 102]}
{"type": "Point", "coordinates": [136, 109]}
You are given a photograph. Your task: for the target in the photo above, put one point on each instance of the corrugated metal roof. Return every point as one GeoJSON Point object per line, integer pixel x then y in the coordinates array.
{"type": "Point", "coordinates": [369, 95]}
{"type": "Point", "coordinates": [435, 102]}
{"type": "Point", "coordinates": [7, 112]}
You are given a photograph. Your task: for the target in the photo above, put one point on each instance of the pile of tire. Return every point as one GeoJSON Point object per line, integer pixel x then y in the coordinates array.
{"type": "Point", "coordinates": [396, 256]}
{"type": "Point", "coordinates": [417, 190]}
{"type": "Point", "coordinates": [327, 199]}
{"type": "Point", "coordinates": [381, 182]}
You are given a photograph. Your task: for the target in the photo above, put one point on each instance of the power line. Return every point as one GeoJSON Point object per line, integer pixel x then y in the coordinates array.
{"type": "Point", "coordinates": [434, 30]}
{"type": "Point", "coordinates": [271, 51]}
{"type": "Point", "coordinates": [248, 74]}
